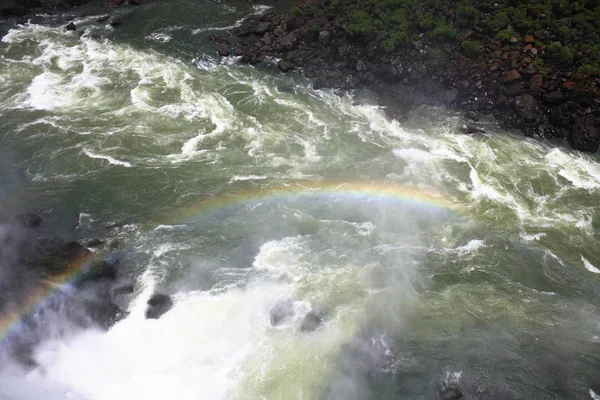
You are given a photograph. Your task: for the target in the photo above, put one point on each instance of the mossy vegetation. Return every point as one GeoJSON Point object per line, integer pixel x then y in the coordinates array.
{"type": "Point", "coordinates": [569, 29]}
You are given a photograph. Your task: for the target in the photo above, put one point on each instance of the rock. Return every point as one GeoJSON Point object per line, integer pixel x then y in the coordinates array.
{"type": "Point", "coordinates": [569, 86]}
{"type": "Point", "coordinates": [123, 290]}
{"type": "Point", "coordinates": [450, 95]}
{"type": "Point", "coordinates": [95, 242]}
{"type": "Point", "coordinates": [526, 106]}
{"type": "Point", "coordinates": [310, 322]}
{"type": "Point", "coordinates": [262, 27]}
{"type": "Point", "coordinates": [451, 393]}
{"type": "Point", "coordinates": [285, 65]}
{"type": "Point", "coordinates": [472, 116]}
{"type": "Point", "coordinates": [224, 50]}
{"type": "Point", "coordinates": [37, 20]}
{"type": "Point", "coordinates": [324, 36]}
{"type": "Point", "coordinates": [29, 220]}
{"type": "Point", "coordinates": [289, 41]}
{"type": "Point", "coordinates": [515, 89]}
{"type": "Point", "coordinates": [71, 27]}
{"type": "Point", "coordinates": [471, 129]}
{"type": "Point", "coordinates": [13, 12]}
{"type": "Point", "coordinates": [73, 253]}
{"type": "Point", "coordinates": [158, 305]}
{"type": "Point", "coordinates": [529, 39]}
{"type": "Point", "coordinates": [103, 19]}
{"type": "Point", "coordinates": [586, 133]}
{"type": "Point", "coordinates": [115, 22]}
{"type": "Point", "coordinates": [536, 81]}
{"type": "Point", "coordinates": [283, 309]}
{"type": "Point", "coordinates": [100, 270]}
{"type": "Point", "coordinates": [513, 76]}
{"type": "Point", "coordinates": [556, 97]}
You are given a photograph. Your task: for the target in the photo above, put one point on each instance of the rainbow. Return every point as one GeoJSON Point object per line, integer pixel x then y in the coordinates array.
{"type": "Point", "coordinates": [11, 320]}
{"type": "Point", "coordinates": [355, 190]}
{"type": "Point", "coordinates": [351, 190]}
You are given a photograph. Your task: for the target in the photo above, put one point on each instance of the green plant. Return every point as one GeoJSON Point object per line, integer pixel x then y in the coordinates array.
{"type": "Point", "coordinates": [539, 66]}
{"type": "Point", "coordinates": [467, 12]}
{"type": "Point", "coordinates": [470, 47]}
{"type": "Point", "coordinates": [591, 69]}
{"type": "Point", "coordinates": [442, 32]}
{"type": "Point", "coordinates": [558, 55]}
{"type": "Point", "coordinates": [296, 12]}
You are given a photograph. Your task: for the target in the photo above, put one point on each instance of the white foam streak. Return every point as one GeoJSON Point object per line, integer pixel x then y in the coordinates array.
{"type": "Point", "coordinates": [588, 265]}
{"type": "Point", "coordinates": [110, 159]}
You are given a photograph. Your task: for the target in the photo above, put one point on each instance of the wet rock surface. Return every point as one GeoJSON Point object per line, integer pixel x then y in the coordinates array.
{"type": "Point", "coordinates": [158, 304]}
{"type": "Point", "coordinates": [500, 82]}
{"type": "Point", "coordinates": [282, 310]}
{"type": "Point", "coordinates": [310, 322]}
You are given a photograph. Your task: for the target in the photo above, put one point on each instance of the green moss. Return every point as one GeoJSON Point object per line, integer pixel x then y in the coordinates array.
{"type": "Point", "coordinates": [296, 12]}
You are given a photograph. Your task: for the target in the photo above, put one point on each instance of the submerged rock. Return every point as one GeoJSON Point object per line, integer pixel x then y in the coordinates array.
{"type": "Point", "coordinates": [123, 290]}
{"type": "Point", "coordinates": [100, 270]}
{"type": "Point", "coordinates": [29, 220]}
{"type": "Point", "coordinates": [285, 65]}
{"type": "Point", "coordinates": [451, 393]}
{"type": "Point", "coordinates": [283, 309]}
{"type": "Point", "coordinates": [310, 322]}
{"type": "Point", "coordinates": [471, 128]}
{"type": "Point", "coordinates": [158, 305]}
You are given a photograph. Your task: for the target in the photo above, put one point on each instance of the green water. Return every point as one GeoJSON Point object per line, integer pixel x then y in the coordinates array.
{"type": "Point", "coordinates": [143, 126]}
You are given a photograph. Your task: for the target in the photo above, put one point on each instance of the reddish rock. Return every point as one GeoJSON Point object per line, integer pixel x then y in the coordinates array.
{"type": "Point", "coordinates": [513, 76]}
{"type": "Point", "coordinates": [514, 40]}
{"type": "Point", "coordinates": [536, 81]}
{"type": "Point", "coordinates": [527, 48]}
{"type": "Point", "coordinates": [529, 39]}
{"type": "Point", "coordinates": [527, 60]}
{"type": "Point", "coordinates": [533, 51]}
{"type": "Point", "coordinates": [569, 85]}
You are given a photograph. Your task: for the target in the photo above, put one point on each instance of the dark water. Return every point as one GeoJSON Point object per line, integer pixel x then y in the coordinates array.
{"type": "Point", "coordinates": [435, 259]}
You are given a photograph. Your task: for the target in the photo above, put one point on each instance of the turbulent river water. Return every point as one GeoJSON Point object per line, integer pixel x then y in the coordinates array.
{"type": "Point", "coordinates": [434, 258]}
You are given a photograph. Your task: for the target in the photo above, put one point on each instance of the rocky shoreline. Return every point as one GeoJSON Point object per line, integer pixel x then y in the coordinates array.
{"type": "Point", "coordinates": [502, 81]}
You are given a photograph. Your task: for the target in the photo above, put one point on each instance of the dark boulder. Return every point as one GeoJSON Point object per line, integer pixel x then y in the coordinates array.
{"type": "Point", "coordinates": [123, 290]}
{"type": "Point", "coordinates": [586, 133]}
{"type": "Point", "coordinates": [224, 50]}
{"type": "Point", "coordinates": [450, 393]}
{"type": "Point", "coordinates": [283, 309]}
{"type": "Point", "coordinates": [470, 128]}
{"type": "Point", "coordinates": [13, 12]}
{"type": "Point", "coordinates": [29, 220]}
{"type": "Point", "coordinates": [71, 26]}
{"type": "Point", "coordinates": [103, 19]}
{"type": "Point", "coordinates": [94, 242]}
{"type": "Point", "coordinates": [262, 27]}
{"type": "Point", "coordinates": [100, 270]}
{"type": "Point", "coordinates": [556, 97]}
{"type": "Point", "coordinates": [158, 305]}
{"type": "Point", "coordinates": [285, 65]}
{"type": "Point", "coordinates": [310, 322]}
{"type": "Point", "coordinates": [526, 106]}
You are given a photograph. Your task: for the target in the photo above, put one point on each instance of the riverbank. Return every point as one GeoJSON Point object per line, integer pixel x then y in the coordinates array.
{"type": "Point", "coordinates": [545, 90]}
